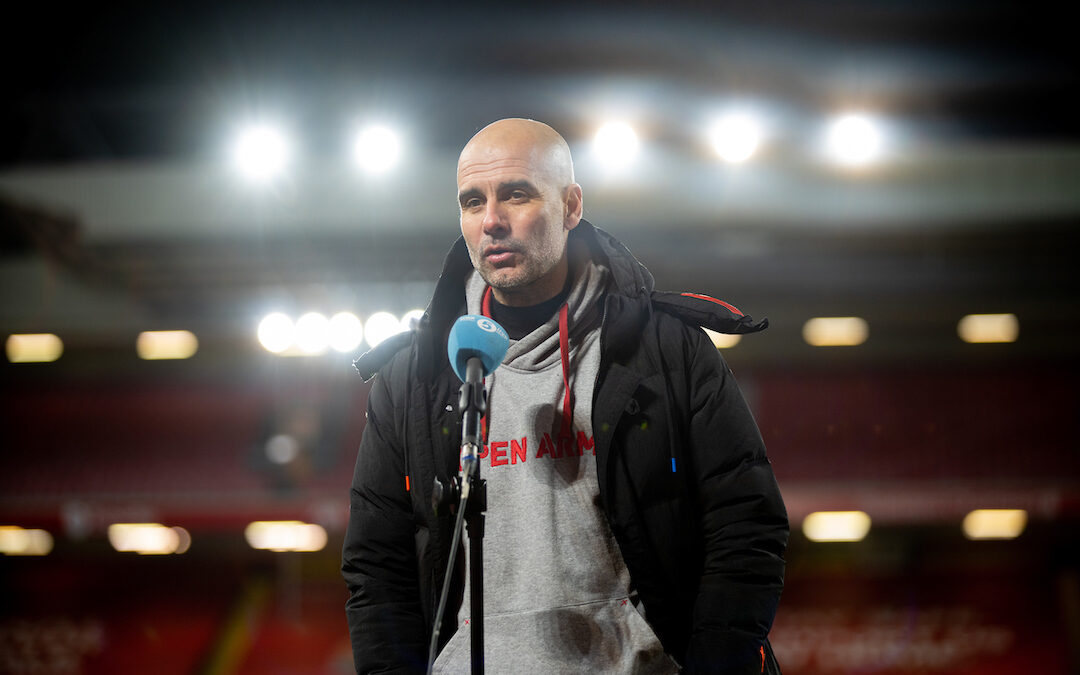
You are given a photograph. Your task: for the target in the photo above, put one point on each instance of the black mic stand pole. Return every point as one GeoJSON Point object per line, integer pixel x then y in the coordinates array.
{"type": "Point", "coordinates": [474, 521]}
{"type": "Point", "coordinates": [473, 400]}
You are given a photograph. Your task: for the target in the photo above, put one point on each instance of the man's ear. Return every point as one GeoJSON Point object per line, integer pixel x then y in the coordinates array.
{"type": "Point", "coordinates": [572, 207]}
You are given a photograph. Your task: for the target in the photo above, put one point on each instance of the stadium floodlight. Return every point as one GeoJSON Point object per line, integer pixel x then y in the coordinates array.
{"type": "Point", "coordinates": [285, 535]}
{"type": "Point", "coordinates": [154, 345]}
{"type": "Point", "coordinates": [380, 326]}
{"type": "Point", "coordinates": [376, 149]}
{"type": "Point", "coordinates": [615, 144]}
{"type": "Point", "coordinates": [995, 523]}
{"type": "Point", "coordinates": [836, 331]}
{"type": "Point", "coordinates": [15, 540]}
{"type": "Point", "coordinates": [312, 333]}
{"type": "Point", "coordinates": [346, 332]}
{"type": "Point", "coordinates": [276, 332]}
{"type": "Point", "coordinates": [148, 538]}
{"type": "Point", "coordinates": [33, 347]}
{"type": "Point", "coordinates": [735, 138]}
{"type": "Point", "coordinates": [411, 319]}
{"type": "Point", "coordinates": [854, 140]}
{"type": "Point", "coordinates": [986, 328]}
{"type": "Point", "coordinates": [261, 152]}
{"type": "Point", "coordinates": [836, 526]}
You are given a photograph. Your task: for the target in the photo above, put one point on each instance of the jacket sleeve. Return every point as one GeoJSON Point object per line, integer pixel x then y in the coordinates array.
{"type": "Point", "coordinates": [379, 561]}
{"type": "Point", "coordinates": [744, 524]}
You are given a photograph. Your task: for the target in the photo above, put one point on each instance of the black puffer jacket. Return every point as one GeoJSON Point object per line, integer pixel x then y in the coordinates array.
{"type": "Point", "coordinates": [684, 479]}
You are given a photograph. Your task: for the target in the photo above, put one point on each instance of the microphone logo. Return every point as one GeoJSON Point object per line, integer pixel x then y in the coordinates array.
{"type": "Point", "coordinates": [474, 336]}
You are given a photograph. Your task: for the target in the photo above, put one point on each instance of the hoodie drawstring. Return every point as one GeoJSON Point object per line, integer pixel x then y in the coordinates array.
{"type": "Point", "coordinates": [567, 430]}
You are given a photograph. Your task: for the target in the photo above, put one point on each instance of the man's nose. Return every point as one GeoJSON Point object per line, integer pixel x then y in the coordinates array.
{"type": "Point", "coordinates": [494, 217]}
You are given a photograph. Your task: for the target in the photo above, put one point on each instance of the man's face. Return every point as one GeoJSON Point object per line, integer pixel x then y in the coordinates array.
{"type": "Point", "coordinates": [512, 218]}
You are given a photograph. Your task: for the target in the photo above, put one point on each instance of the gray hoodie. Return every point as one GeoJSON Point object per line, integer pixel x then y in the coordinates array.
{"type": "Point", "coordinates": [557, 594]}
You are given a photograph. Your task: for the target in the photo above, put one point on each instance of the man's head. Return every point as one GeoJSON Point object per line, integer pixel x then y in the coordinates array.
{"type": "Point", "coordinates": [518, 204]}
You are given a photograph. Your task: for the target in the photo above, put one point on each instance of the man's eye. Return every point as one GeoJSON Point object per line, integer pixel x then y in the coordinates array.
{"type": "Point", "coordinates": [471, 203]}
{"type": "Point", "coordinates": [518, 195]}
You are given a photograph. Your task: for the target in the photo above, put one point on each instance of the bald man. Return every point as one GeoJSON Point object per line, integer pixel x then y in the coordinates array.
{"type": "Point", "coordinates": [519, 203]}
{"type": "Point", "coordinates": [633, 522]}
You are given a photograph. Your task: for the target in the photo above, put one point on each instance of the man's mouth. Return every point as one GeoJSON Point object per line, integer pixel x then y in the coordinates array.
{"type": "Point", "coordinates": [499, 255]}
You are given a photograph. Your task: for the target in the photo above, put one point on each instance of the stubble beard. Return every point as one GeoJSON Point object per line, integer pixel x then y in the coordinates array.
{"type": "Point", "coordinates": [511, 278]}
{"type": "Point", "coordinates": [534, 266]}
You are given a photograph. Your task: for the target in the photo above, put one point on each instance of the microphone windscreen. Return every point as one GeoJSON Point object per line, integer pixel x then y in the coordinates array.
{"type": "Point", "coordinates": [479, 336]}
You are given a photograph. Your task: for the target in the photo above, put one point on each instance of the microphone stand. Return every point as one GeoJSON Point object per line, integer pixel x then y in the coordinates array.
{"type": "Point", "coordinates": [476, 340]}
{"type": "Point", "coordinates": [474, 493]}
{"type": "Point", "coordinates": [474, 520]}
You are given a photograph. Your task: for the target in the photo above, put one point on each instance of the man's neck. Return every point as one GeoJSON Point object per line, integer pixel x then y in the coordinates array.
{"type": "Point", "coordinates": [520, 321]}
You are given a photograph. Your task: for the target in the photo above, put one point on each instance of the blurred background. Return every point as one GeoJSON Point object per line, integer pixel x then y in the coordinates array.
{"type": "Point", "coordinates": [208, 210]}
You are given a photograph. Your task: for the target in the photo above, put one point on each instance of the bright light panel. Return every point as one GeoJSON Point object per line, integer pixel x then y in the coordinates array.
{"type": "Point", "coordinates": [261, 153]}
{"type": "Point", "coordinates": [984, 328]}
{"type": "Point", "coordinates": [276, 332]}
{"type": "Point", "coordinates": [854, 140]}
{"type": "Point", "coordinates": [312, 333]}
{"type": "Point", "coordinates": [615, 143]}
{"type": "Point", "coordinates": [411, 319]}
{"type": "Point", "coordinates": [166, 344]}
{"type": "Point", "coordinates": [148, 538]}
{"type": "Point", "coordinates": [380, 326]}
{"type": "Point", "coordinates": [735, 138]}
{"type": "Point", "coordinates": [34, 348]}
{"type": "Point", "coordinates": [995, 523]}
{"type": "Point", "coordinates": [722, 340]}
{"type": "Point", "coordinates": [376, 149]}
{"type": "Point", "coordinates": [346, 332]}
{"type": "Point", "coordinates": [836, 526]}
{"type": "Point", "coordinates": [15, 540]}
{"type": "Point", "coordinates": [836, 331]}
{"type": "Point", "coordinates": [285, 535]}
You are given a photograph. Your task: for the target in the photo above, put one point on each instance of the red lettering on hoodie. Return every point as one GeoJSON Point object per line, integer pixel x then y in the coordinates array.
{"type": "Point", "coordinates": [502, 453]}
{"type": "Point", "coordinates": [546, 447]}
{"type": "Point", "coordinates": [498, 453]}
{"type": "Point", "coordinates": [518, 451]}
{"type": "Point", "coordinates": [585, 443]}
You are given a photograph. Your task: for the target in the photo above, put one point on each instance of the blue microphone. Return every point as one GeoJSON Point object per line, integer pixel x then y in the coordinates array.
{"type": "Point", "coordinates": [476, 347]}
{"type": "Point", "coordinates": [479, 337]}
